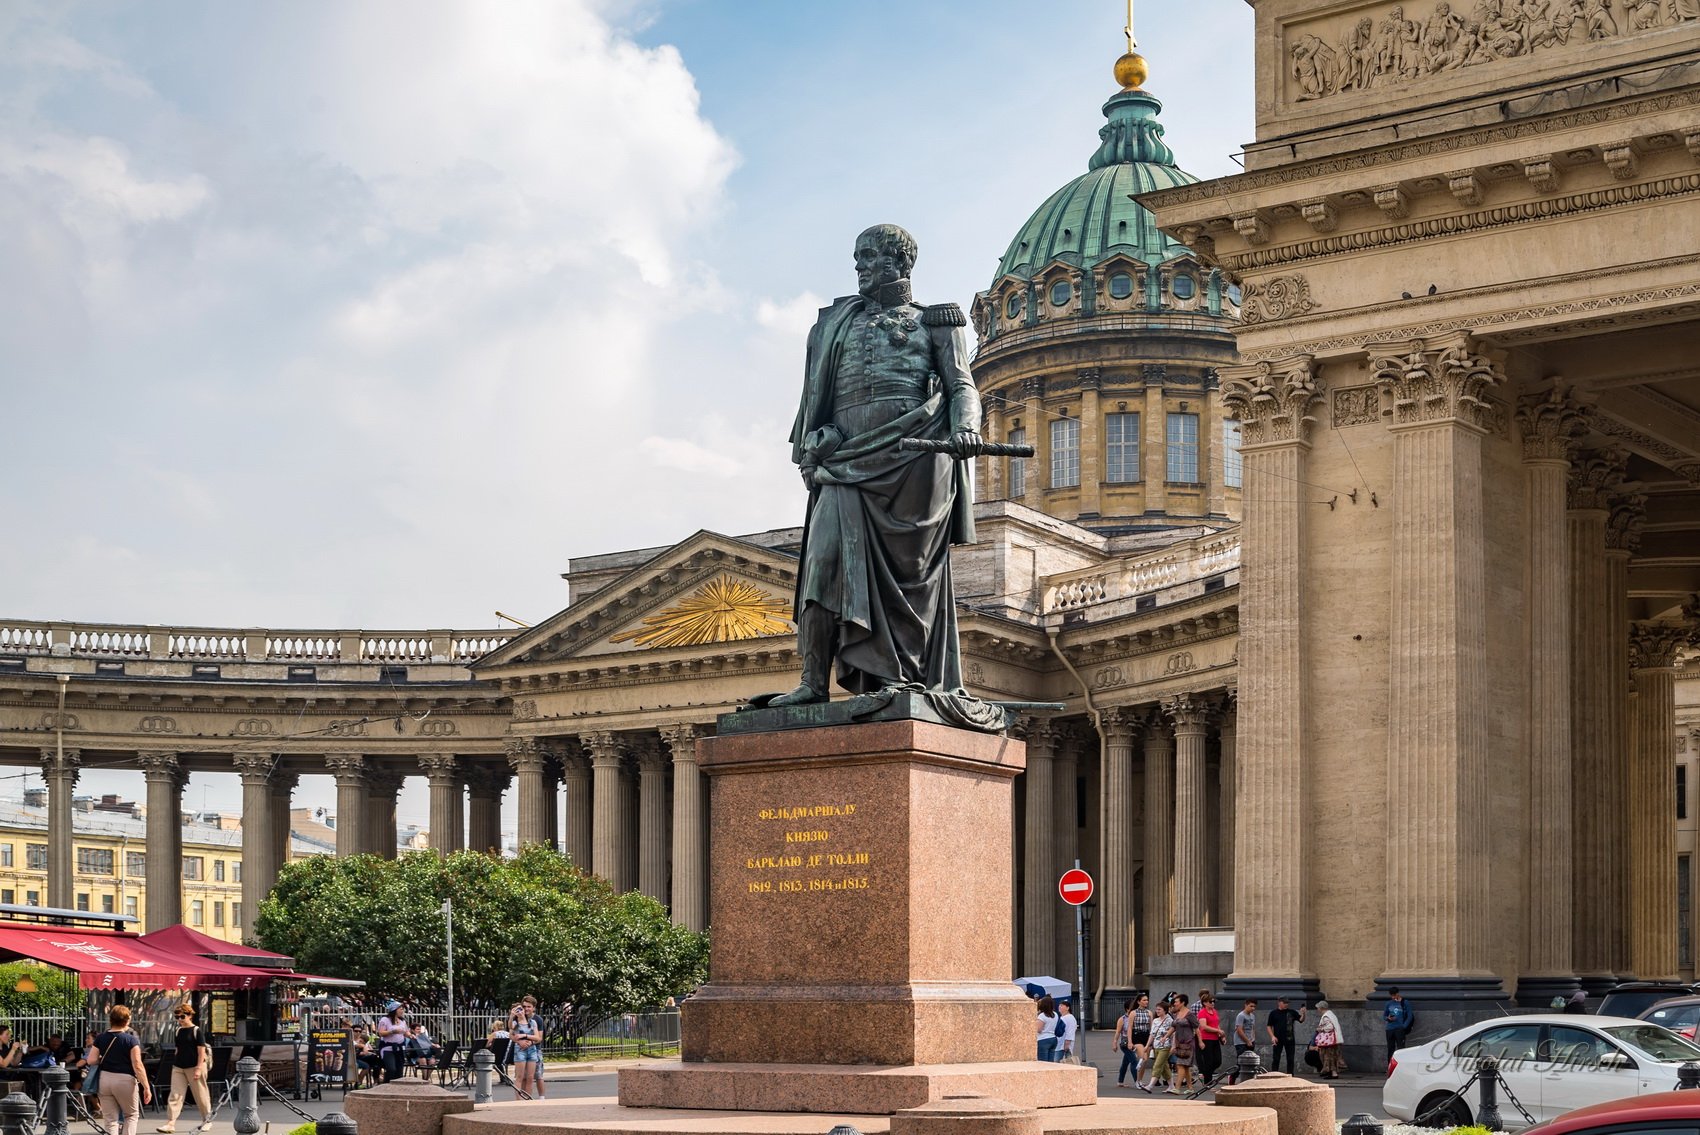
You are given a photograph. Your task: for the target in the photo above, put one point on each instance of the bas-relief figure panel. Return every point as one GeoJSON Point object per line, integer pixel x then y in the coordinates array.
{"type": "Point", "coordinates": [1391, 45]}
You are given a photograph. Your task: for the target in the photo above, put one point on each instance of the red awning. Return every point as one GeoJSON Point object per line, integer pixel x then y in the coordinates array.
{"type": "Point", "coordinates": [181, 939]}
{"type": "Point", "coordinates": [124, 961]}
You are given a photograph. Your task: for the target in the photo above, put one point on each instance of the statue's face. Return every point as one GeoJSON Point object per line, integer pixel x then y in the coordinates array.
{"type": "Point", "coordinates": [874, 266]}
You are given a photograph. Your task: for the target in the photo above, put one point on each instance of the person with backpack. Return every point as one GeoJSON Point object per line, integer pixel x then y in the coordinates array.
{"type": "Point", "coordinates": [1047, 1025]}
{"type": "Point", "coordinates": [189, 1071]}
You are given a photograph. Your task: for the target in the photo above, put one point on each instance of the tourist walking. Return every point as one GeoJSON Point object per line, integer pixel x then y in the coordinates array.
{"type": "Point", "coordinates": [1133, 1033]}
{"type": "Point", "coordinates": [1065, 1043]}
{"type": "Point", "coordinates": [1210, 1035]}
{"type": "Point", "coordinates": [1162, 1034]}
{"type": "Point", "coordinates": [1046, 1027]}
{"type": "Point", "coordinates": [1280, 1026]}
{"type": "Point", "coordinates": [122, 1077]}
{"type": "Point", "coordinates": [1396, 1021]}
{"type": "Point", "coordinates": [1183, 1047]}
{"type": "Point", "coordinates": [189, 1071]}
{"type": "Point", "coordinates": [393, 1035]}
{"type": "Point", "coordinates": [1329, 1043]}
{"type": "Point", "coordinates": [1245, 1035]}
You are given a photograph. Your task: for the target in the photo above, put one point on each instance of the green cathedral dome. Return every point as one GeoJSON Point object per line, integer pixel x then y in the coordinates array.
{"type": "Point", "coordinates": [1094, 216]}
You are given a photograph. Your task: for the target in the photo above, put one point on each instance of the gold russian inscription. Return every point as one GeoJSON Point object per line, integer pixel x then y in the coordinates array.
{"type": "Point", "coordinates": [807, 812]}
{"type": "Point", "coordinates": [823, 869]}
{"type": "Point", "coordinates": [768, 862]}
{"type": "Point", "coordinates": [807, 837]}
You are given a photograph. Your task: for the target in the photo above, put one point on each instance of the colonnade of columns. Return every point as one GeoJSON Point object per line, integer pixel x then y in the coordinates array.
{"type": "Point", "coordinates": [1164, 831]}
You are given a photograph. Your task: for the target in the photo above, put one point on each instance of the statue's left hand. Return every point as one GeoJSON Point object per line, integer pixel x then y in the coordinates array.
{"type": "Point", "coordinates": [966, 443]}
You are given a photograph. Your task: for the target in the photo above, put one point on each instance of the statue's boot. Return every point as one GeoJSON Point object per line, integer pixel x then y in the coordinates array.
{"type": "Point", "coordinates": [804, 694]}
{"type": "Point", "coordinates": [817, 639]}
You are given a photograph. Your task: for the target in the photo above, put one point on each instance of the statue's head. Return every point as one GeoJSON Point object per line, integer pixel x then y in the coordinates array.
{"type": "Point", "coordinates": [884, 255]}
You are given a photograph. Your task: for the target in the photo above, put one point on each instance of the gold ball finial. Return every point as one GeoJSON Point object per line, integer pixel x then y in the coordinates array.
{"type": "Point", "coordinates": [1132, 71]}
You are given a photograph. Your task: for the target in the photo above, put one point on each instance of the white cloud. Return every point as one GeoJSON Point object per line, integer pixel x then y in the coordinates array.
{"type": "Point", "coordinates": [689, 457]}
{"type": "Point", "coordinates": [795, 315]}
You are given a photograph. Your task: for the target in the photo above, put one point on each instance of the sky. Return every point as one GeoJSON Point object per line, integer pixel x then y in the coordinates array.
{"type": "Point", "coordinates": [374, 314]}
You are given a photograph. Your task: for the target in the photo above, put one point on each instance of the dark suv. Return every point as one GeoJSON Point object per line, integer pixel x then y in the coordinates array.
{"type": "Point", "coordinates": [1678, 1014]}
{"type": "Point", "coordinates": [1633, 998]}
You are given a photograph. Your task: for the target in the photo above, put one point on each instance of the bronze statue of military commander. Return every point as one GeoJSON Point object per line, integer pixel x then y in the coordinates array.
{"type": "Point", "coordinates": [873, 591]}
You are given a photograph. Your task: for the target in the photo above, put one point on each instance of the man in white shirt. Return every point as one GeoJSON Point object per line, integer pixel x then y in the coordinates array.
{"type": "Point", "coordinates": [1065, 1043]}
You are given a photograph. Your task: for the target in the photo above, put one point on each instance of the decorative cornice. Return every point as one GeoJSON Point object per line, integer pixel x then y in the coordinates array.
{"type": "Point", "coordinates": [1551, 423]}
{"type": "Point", "coordinates": [1272, 401]}
{"type": "Point", "coordinates": [1438, 382]}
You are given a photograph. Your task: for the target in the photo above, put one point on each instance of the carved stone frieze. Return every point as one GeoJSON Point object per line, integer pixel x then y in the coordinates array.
{"type": "Point", "coordinates": [1356, 406]}
{"type": "Point", "coordinates": [1550, 423]}
{"type": "Point", "coordinates": [1280, 297]}
{"type": "Point", "coordinates": [1394, 45]}
{"type": "Point", "coordinates": [1437, 381]}
{"type": "Point", "coordinates": [1320, 215]}
{"type": "Point", "coordinates": [1272, 400]}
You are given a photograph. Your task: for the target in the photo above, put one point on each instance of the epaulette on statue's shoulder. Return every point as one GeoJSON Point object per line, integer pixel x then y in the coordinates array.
{"type": "Point", "coordinates": [943, 315]}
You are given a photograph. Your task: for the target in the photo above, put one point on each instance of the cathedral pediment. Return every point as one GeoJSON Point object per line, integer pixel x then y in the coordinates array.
{"type": "Point", "coordinates": [707, 590]}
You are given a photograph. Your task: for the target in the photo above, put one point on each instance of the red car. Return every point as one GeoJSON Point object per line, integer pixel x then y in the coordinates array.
{"type": "Point", "coordinates": [1663, 1113]}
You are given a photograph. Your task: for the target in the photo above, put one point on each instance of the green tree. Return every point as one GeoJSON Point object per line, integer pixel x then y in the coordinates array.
{"type": "Point", "coordinates": [55, 991]}
{"type": "Point", "coordinates": [533, 924]}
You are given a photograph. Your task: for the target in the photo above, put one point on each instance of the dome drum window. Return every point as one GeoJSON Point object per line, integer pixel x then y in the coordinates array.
{"type": "Point", "coordinates": [1061, 293]}
{"type": "Point", "coordinates": [1183, 287]}
{"type": "Point", "coordinates": [1121, 285]}
{"type": "Point", "coordinates": [1012, 307]}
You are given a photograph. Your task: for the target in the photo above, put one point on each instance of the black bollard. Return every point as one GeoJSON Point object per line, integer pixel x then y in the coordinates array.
{"type": "Point", "coordinates": [247, 1117]}
{"type": "Point", "coordinates": [1248, 1066]}
{"type": "Point", "coordinates": [483, 1075]}
{"type": "Point", "coordinates": [56, 1082]}
{"type": "Point", "coordinates": [844, 1129]}
{"type": "Point", "coordinates": [1687, 1076]}
{"type": "Point", "coordinates": [17, 1114]}
{"type": "Point", "coordinates": [1488, 1114]}
{"type": "Point", "coordinates": [1361, 1124]}
{"type": "Point", "coordinates": [336, 1123]}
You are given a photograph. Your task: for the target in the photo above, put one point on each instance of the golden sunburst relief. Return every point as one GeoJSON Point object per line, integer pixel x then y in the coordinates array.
{"type": "Point", "coordinates": [722, 610]}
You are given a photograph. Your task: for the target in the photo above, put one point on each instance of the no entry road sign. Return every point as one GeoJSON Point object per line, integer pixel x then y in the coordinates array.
{"type": "Point", "coordinates": [1075, 886]}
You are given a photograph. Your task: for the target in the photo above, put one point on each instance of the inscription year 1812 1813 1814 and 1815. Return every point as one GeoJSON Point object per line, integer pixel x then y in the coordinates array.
{"type": "Point", "coordinates": [809, 856]}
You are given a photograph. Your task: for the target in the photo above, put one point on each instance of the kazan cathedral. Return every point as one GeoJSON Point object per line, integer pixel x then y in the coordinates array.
{"type": "Point", "coordinates": [1453, 534]}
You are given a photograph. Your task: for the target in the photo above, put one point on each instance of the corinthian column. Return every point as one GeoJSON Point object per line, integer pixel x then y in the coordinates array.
{"type": "Point", "coordinates": [349, 769]}
{"type": "Point", "coordinates": [1190, 713]}
{"type": "Point", "coordinates": [1271, 903]}
{"type": "Point", "coordinates": [165, 779]}
{"type": "Point", "coordinates": [1225, 815]}
{"type": "Point", "coordinates": [1595, 901]}
{"type": "Point", "coordinates": [690, 892]}
{"type": "Point", "coordinates": [485, 786]}
{"type": "Point", "coordinates": [382, 786]}
{"type": "Point", "coordinates": [442, 778]}
{"type": "Point", "coordinates": [652, 817]}
{"type": "Point", "coordinates": [1065, 834]}
{"type": "Point", "coordinates": [59, 770]}
{"type": "Point", "coordinates": [575, 773]}
{"type": "Point", "coordinates": [1439, 919]}
{"type": "Point", "coordinates": [259, 845]}
{"type": "Point", "coordinates": [1624, 522]}
{"type": "Point", "coordinates": [1654, 648]}
{"type": "Point", "coordinates": [1039, 921]}
{"type": "Point", "coordinates": [1549, 424]}
{"type": "Point", "coordinates": [1116, 923]}
{"type": "Point", "coordinates": [609, 829]}
{"type": "Point", "coordinates": [527, 759]}
{"type": "Point", "coordinates": [283, 792]}
{"type": "Point", "coordinates": [1159, 837]}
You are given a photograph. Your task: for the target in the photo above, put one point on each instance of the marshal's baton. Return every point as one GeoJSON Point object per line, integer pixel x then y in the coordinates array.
{"type": "Point", "coordinates": [984, 449]}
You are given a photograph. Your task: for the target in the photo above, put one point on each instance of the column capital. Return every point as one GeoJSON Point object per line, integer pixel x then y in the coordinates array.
{"type": "Point", "coordinates": [525, 754]}
{"type": "Point", "coordinates": [1228, 711]}
{"type": "Point", "coordinates": [1040, 733]}
{"type": "Point", "coordinates": [284, 781]}
{"type": "Point", "coordinates": [1656, 644]}
{"type": "Point", "coordinates": [1189, 712]}
{"type": "Point", "coordinates": [1272, 400]}
{"type": "Point", "coordinates": [604, 745]}
{"type": "Point", "coordinates": [486, 781]}
{"type": "Point", "coordinates": [50, 762]}
{"type": "Point", "coordinates": [383, 782]}
{"type": "Point", "coordinates": [646, 752]}
{"type": "Point", "coordinates": [1624, 523]}
{"type": "Point", "coordinates": [161, 765]}
{"type": "Point", "coordinates": [1596, 476]}
{"type": "Point", "coordinates": [682, 739]}
{"type": "Point", "coordinates": [257, 767]}
{"type": "Point", "coordinates": [349, 769]}
{"type": "Point", "coordinates": [1552, 422]}
{"type": "Point", "coordinates": [1436, 380]}
{"type": "Point", "coordinates": [1119, 721]}
{"type": "Point", "coordinates": [439, 766]}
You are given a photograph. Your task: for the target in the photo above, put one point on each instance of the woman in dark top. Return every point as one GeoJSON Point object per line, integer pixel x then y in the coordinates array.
{"type": "Point", "coordinates": [122, 1076]}
{"type": "Point", "coordinates": [189, 1070]}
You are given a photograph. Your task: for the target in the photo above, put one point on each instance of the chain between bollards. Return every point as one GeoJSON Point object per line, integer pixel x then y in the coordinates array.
{"type": "Point", "coordinates": [56, 1082]}
{"type": "Point", "coordinates": [483, 1075]}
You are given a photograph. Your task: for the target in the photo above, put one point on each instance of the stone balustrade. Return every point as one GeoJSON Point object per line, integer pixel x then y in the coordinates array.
{"type": "Point", "coordinates": [24, 637]}
{"type": "Point", "coordinates": [1170, 574]}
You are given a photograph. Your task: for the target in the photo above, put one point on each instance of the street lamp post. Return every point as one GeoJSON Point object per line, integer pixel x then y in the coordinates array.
{"type": "Point", "coordinates": [449, 930]}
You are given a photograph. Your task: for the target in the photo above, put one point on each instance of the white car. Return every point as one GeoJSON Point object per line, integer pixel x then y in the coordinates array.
{"type": "Point", "coordinates": [1552, 1063]}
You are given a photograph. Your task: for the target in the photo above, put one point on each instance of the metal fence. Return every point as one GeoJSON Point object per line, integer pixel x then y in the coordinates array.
{"type": "Point", "coordinates": [34, 1030]}
{"type": "Point", "coordinates": [629, 1034]}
